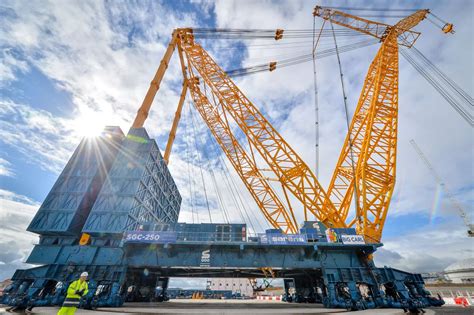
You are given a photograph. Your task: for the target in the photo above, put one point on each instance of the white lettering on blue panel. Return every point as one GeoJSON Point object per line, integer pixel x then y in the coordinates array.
{"type": "Point", "coordinates": [353, 239]}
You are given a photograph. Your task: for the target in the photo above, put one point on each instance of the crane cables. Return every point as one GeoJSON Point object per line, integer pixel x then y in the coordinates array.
{"type": "Point", "coordinates": [314, 45]}
{"type": "Point", "coordinates": [190, 178]}
{"type": "Point", "coordinates": [300, 59]}
{"type": "Point", "coordinates": [243, 34]}
{"type": "Point", "coordinates": [348, 123]}
{"type": "Point", "coordinates": [373, 9]}
{"type": "Point", "coordinates": [200, 164]}
{"type": "Point", "coordinates": [459, 99]}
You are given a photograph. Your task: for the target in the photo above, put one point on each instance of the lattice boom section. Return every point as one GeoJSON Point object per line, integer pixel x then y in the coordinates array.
{"type": "Point", "coordinates": [69, 202]}
{"type": "Point", "coordinates": [138, 191]}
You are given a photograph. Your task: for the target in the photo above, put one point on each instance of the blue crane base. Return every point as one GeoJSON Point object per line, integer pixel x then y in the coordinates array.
{"type": "Point", "coordinates": [113, 212]}
{"type": "Point", "coordinates": [314, 271]}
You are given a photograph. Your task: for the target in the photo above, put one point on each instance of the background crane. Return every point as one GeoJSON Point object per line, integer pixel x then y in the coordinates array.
{"type": "Point", "coordinates": [464, 216]}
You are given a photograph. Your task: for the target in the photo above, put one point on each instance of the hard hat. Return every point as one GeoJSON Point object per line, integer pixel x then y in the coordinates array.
{"type": "Point", "coordinates": [84, 274]}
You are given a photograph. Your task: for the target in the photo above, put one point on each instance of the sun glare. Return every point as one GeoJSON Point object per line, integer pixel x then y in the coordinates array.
{"type": "Point", "coordinates": [90, 124]}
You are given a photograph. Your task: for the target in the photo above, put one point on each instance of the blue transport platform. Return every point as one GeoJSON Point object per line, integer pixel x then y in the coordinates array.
{"type": "Point", "coordinates": [113, 212]}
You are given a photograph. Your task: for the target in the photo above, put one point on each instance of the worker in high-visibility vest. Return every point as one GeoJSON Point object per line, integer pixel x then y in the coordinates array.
{"type": "Point", "coordinates": [75, 291]}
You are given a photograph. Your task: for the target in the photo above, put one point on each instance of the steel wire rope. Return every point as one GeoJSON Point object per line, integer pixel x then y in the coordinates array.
{"type": "Point", "coordinates": [235, 187]}
{"type": "Point", "coordinates": [218, 192]}
{"type": "Point", "coordinates": [439, 88]}
{"type": "Point", "coordinates": [282, 43]}
{"type": "Point", "coordinates": [382, 16]}
{"type": "Point", "coordinates": [268, 31]}
{"type": "Point", "coordinates": [232, 191]}
{"type": "Point", "coordinates": [371, 9]}
{"type": "Point", "coordinates": [191, 180]}
{"type": "Point", "coordinates": [261, 34]}
{"type": "Point", "coordinates": [315, 86]}
{"type": "Point", "coordinates": [440, 26]}
{"type": "Point", "coordinates": [200, 166]}
{"type": "Point", "coordinates": [227, 173]}
{"type": "Point", "coordinates": [299, 59]}
{"type": "Point", "coordinates": [270, 37]}
{"type": "Point", "coordinates": [438, 18]}
{"type": "Point", "coordinates": [463, 94]}
{"type": "Point", "coordinates": [437, 85]}
{"type": "Point", "coordinates": [295, 50]}
{"type": "Point", "coordinates": [346, 110]}
{"type": "Point", "coordinates": [219, 197]}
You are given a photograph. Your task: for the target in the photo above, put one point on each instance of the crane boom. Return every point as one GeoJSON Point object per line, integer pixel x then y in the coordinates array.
{"type": "Point", "coordinates": [291, 171]}
{"type": "Point", "coordinates": [142, 113]}
{"type": "Point", "coordinates": [216, 119]}
{"type": "Point", "coordinates": [406, 36]}
{"type": "Point", "coordinates": [370, 146]}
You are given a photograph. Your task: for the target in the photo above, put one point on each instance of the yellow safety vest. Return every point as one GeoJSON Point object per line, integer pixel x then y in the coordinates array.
{"type": "Point", "coordinates": [72, 299]}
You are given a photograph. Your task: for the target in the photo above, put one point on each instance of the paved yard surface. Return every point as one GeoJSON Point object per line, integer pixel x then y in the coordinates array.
{"type": "Point", "coordinates": [238, 307]}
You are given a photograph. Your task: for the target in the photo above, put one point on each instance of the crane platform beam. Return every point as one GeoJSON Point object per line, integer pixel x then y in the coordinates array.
{"type": "Point", "coordinates": [318, 271]}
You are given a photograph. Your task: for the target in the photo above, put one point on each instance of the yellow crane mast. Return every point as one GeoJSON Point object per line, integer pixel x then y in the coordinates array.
{"type": "Point", "coordinates": [370, 147]}
{"type": "Point", "coordinates": [288, 168]}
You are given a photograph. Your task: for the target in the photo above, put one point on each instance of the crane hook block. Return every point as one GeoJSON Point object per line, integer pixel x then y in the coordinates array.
{"type": "Point", "coordinates": [448, 28]}
{"type": "Point", "coordinates": [272, 65]}
{"type": "Point", "coordinates": [279, 34]}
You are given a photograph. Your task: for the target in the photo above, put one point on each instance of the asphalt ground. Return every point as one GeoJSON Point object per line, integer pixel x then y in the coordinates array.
{"type": "Point", "coordinates": [248, 307]}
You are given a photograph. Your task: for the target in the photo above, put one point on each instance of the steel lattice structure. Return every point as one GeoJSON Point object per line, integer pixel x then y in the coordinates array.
{"type": "Point", "coordinates": [370, 146]}
{"type": "Point", "coordinates": [367, 163]}
{"type": "Point", "coordinates": [138, 190]}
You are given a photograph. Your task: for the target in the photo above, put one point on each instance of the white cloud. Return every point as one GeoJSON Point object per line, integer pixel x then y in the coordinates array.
{"type": "Point", "coordinates": [42, 138]}
{"type": "Point", "coordinates": [425, 250]}
{"type": "Point", "coordinates": [5, 168]}
{"type": "Point", "coordinates": [90, 57]}
{"type": "Point", "coordinates": [16, 211]}
{"type": "Point", "coordinates": [9, 65]}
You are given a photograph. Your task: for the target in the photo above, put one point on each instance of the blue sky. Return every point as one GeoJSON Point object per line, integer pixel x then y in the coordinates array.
{"type": "Point", "coordinates": [69, 68]}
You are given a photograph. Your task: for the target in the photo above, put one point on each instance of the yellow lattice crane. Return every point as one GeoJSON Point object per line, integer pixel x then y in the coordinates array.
{"type": "Point", "coordinates": [370, 147]}
{"type": "Point", "coordinates": [367, 163]}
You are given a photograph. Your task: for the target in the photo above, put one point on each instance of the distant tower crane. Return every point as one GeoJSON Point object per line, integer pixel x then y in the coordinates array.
{"type": "Point", "coordinates": [465, 217]}
{"type": "Point", "coordinates": [367, 164]}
